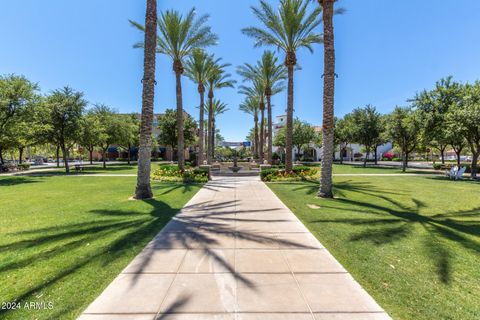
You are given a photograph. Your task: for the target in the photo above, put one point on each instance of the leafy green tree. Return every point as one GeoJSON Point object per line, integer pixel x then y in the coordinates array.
{"type": "Point", "coordinates": [168, 129]}
{"type": "Point", "coordinates": [179, 35]}
{"type": "Point", "coordinates": [224, 152]}
{"type": "Point", "coordinates": [404, 129]}
{"type": "Point", "coordinates": [455, 133]}
{"type": "Point", "coordinates": [367, 129]}
{"type": "Point", "coordinates": [129, 134]}
{"type": "Point", "coordinates": [303, 135]}
{"type": "Point", "coordinates": [92, 133]}
{"type": "Point", "coordinates": [62, 119]}
{"type": "Point", "coordinates": [433, 107]}
{"type": "Point", "coordinates": [344, 129]}
{"type": "Point", "coordinates": [110, 128]}
{"type": "Point", "coordinates": [467, 118]}
{"type": "Point", "coordinates": [17, 93]}
{"type": "Point", "coordinates": [288, 27]}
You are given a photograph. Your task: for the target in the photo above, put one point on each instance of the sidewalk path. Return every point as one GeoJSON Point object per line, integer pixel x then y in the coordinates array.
{"type": "Point", "coordinates": [234, 252]}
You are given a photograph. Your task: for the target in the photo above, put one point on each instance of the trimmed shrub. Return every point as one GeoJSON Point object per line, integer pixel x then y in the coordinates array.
{"type": "Point", "coordinates": [23, 166]}
{"type": "Point", "coordinates": [299, 173]}
{"type": "Point", "coordinates": [169, 172]}
{"type": "Point", "coordinates": [267, 174]}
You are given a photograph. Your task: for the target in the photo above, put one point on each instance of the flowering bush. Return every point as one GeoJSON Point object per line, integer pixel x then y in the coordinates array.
{"type": "Point", "coordinates": [171, 173]}
{"type": "Point", "coordinates": [299, 173]}
{"type": "Point", "coordinates": [388, 156]}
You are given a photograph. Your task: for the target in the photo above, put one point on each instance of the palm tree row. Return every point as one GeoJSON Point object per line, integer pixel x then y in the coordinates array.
{"type": "Point", "coordinates": [215, 108]}
{"type": "Point", "coordinates": [182, 38]}
{"type": "Point", "coordinates": [266, 79]}
{"type": "Point", "coordinates": [290, 27]}
{"type": "Point", "coordinates": [251, 106]}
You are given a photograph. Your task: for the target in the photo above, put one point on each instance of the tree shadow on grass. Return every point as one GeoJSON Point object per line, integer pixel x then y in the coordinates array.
{"type": "Point", "coordinates": [135, 232]}
{"type": "Point", "coordinates": [403, 219]}
{"type": "Point", "coordinates": [13, 181]}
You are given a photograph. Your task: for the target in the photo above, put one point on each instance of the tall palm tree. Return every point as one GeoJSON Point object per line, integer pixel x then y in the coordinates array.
{"type": "Point", "coordinates": [328, 103]}
{"type": "Point", "coordinates": [179, 36]}
{"type": "Point", "coordinates": [216, 108]}
{"type": "Point", "coordinates": [218, 78]}
{"type": "Point", "coordinates": [197, 68]}
{"type": "Point", "coordinates": [289, 28]}
{"type": "Point", "coordinates": [250, 106]}
{"type": "Point", "coordinates": [271, 74]}
{"type": "Point", "coordinates": [143, 189]}
{"type": "Point", "coordinates": [257, 89]}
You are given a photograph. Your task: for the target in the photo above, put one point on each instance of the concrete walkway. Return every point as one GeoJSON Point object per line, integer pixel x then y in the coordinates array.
{"type": "Point", "coordinates": [235, 252]}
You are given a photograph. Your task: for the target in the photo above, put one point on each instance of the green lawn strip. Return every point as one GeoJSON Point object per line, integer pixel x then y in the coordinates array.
{"type": "Point", "coordinates": [65, 239]}
{"type": "Point", "coordinates": [359, 169]}
{"type": "Point", "coordinates": [412, 242]}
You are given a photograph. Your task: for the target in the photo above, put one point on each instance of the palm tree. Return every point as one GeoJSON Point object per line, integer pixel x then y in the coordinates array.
{"type": "Point", "coordinates": [179, 36]}
{"type": "Point", "coordinates": [250, 106]}
{"type": "Point", "coordinates": [257, 90]}
{"type": "Point", "coordinates": [217, 79]}
{"type": "Point", "coordinates": [216, 108]}
{"type": "Point", "coordinates": [328, 96]}
{"type": "Point", "coordinates": [143, 189]}
{"type": "Point", "coordinates": [270, 73]}
{"type": "Point", "coordinates": [197, 68]}
{"type": "Point", "coordinates": [289, 28]}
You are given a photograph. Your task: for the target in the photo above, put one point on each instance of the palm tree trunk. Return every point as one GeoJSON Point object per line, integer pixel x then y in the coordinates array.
{"type": "Point", "coordinates": [255, 130]}
{"type": "Point", "coordinates": [143, 189]}
{"type": "Point", "coordinates": [289, 130]}
{"type": "Point", "coordinates": [262, 135]}
{"type": "Point", "coordinates": [328, 96]}
{"type": "Point", "coordinates": [270, 125]}
{"type": "Point", "coordinates": [129, 154]}
{"type": "Point", "coordinates": [213, 137]}
{"type": "Point", "coordinates": [1, 156]}
{"type": "Point", "coordinates": [180, 140]}
{"type": "Point", "coordinates": [205, 138]}
{"type": "Point", "coordinates": [210, 123]}
{"type": "Point", "coordinates": [201, 139]}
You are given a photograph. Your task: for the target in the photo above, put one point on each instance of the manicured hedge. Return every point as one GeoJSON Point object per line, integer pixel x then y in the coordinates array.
{"type": "Point", "coordinates": [173, 174]}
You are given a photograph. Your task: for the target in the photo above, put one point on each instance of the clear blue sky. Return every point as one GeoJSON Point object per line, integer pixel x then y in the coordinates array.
{"type": "Point", "coordinates": [386, 51]}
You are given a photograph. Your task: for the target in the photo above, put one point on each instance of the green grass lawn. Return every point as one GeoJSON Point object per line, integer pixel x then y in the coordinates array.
{"type": "Point", "coordinates": [371, 168]}
{"type": "Point", "coordinates": [412, 242]}
{"type": "Point", "coordinates": [64, 239]}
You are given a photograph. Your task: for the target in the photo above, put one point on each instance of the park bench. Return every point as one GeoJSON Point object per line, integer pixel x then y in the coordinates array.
{"type": "Point", "coordinates": [79, 168]}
